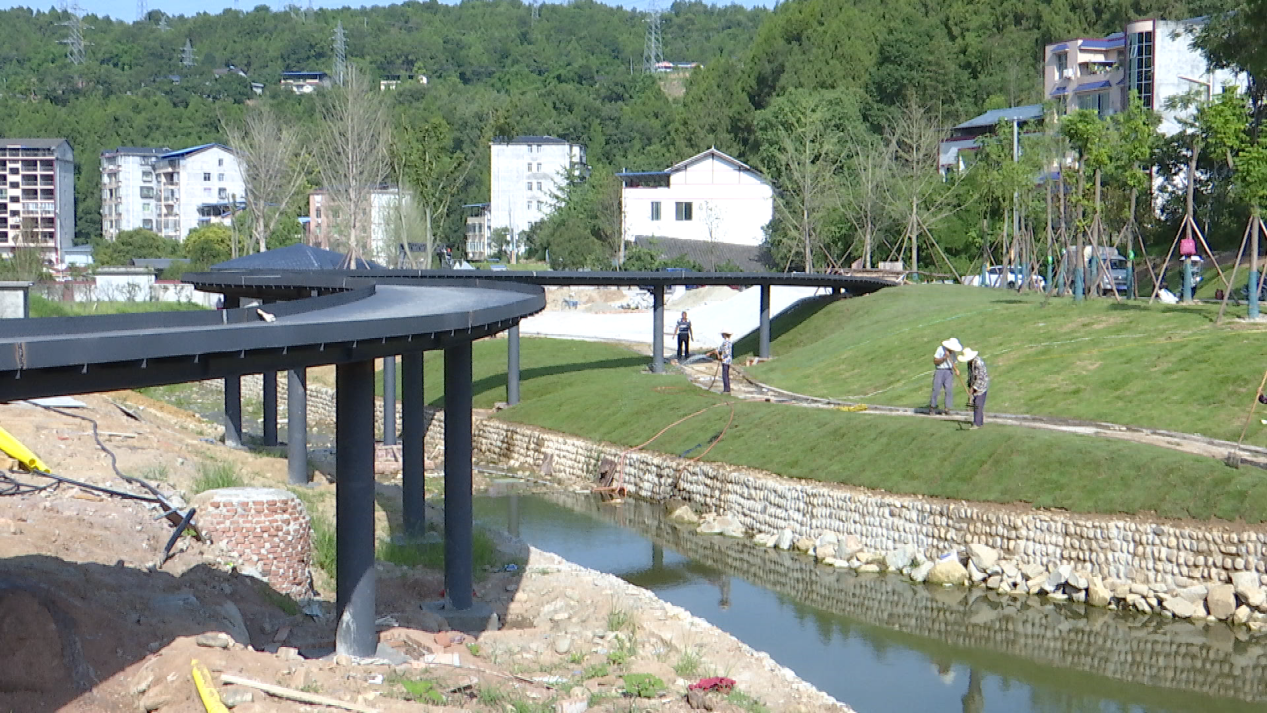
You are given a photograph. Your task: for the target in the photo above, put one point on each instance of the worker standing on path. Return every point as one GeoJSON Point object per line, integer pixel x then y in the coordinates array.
{"type": "Point", "coordinates": [944, 373]}
{"type": "Point", "coordinates": [724, 353]}
{"type": "Point", "coordinates": [978, 384]}
{"type": "Point", "coordinates": [684, 337]}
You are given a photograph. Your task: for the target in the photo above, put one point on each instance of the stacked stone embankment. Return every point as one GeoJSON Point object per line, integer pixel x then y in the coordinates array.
{"type": "Point", "coordinates": [1184, 570]}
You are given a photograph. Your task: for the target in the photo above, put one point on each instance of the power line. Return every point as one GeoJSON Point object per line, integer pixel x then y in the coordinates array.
{"type": "Point", "coordinates": [340, 53]}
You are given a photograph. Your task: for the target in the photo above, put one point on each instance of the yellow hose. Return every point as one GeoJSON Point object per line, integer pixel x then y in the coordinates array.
{"type": "Point", "coordinates": [14, 448]}
{"type": "Point", "coordinates": [206, 689]}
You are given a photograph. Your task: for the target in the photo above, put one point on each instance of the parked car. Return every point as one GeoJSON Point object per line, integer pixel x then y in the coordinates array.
{"type": "Point", "coordinates": [1117, 275]}
{"type": "Point", "coordinates": [994, 277]}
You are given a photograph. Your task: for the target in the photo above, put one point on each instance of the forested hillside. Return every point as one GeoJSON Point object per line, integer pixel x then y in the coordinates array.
{"type": "Point", "coordinates": [572, 71]}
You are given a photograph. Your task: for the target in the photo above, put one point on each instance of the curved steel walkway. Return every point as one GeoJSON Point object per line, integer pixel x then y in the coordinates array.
{"type": "Point", "coordinates": [349, 326]}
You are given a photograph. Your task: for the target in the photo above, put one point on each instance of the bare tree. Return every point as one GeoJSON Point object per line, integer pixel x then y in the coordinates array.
{"type": "Point", "coordinates": [352, 160]}
{"type": "Point", "coordinates": [867, 170]}
{"type": "Point", "coordinates": [274, 165]}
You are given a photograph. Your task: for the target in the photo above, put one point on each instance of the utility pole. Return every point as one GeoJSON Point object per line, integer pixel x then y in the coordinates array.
{"type": "Point", "coordinates": [340, 54]}
{"type": "Point", "coordinates": [652, 53]}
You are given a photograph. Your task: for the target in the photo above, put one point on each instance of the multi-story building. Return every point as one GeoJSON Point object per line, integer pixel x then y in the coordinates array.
{"type": "Point", "coordinates": [192, 185]}
{"type": "Point", "coordinates": [528, 173]}
{"type": "Point", "coordinates": [385, 224]}
{"type": "Point", "coordinates": [479, 244]}
{"type": "Point", "coordinates": [1154, 58]}
{"type": "Point", "coordinates": [305, 82]}
{"type": "Point", "coordinates": [38, 196]}
{"type": "Point", "coordinates": [709, 197]}
{"type": "Point", "coordinates": [128, 189]}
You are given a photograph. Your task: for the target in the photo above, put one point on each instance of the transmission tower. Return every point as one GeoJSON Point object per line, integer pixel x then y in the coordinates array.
{"type": "Point", "coordinates": [652, 54]}
{"type": "Point", "coordinates": [187, 54]}
{"type": "Point", "coordinates": [340, 54]}
{"type": "Point", "coordinates": [536, 10]}
{"type": "Point", "coordinates": [162, 24]}
{"type": "Point", "coordinates": [141, 10]}
{"type": "Point", "coordinates": [75, 37]}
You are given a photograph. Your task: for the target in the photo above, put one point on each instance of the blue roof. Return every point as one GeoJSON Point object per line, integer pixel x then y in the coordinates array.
{"type": "Point", "coordinates": [293, 257]}
{"type": "Point", "coordinates": [193, 150]}
{"type": "Point", "coordinates": [1029, 112]}
{"type": "Point", "coordinates": [1089, 86]}
{"type": "Point", "coordinates": [1113, 41]}
{"type": "Point", "coordinates": [1060, 48]}
{"type": "Point", "coordinates": [1058, 91]}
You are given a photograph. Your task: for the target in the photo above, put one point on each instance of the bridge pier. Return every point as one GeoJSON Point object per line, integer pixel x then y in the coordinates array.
{"type": "Point", "coordinates": [297, 426]}
{"type": "Point", "coordinates": [512, 365]}
{"type": "Point", "coordinates": [270, 408]}
{"type": "Point", "coordinates": [389, 400]}
{"type": "Point", "coordinates": [354, 509]}
{"type": "Point", "coordinates": [763, 342]}
{"type": "Point", "coordinates": [232, 395]}
{"type": "Point", "coordinates": [458, 495]}
{"type": "Point", "coordinates": [413, 434]}
{"type": "Point", "coordinates": [657, 329]}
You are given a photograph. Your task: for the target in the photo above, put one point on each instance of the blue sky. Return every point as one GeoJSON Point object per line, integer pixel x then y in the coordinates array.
{"type": "Point", "coordinates": [126, 9]}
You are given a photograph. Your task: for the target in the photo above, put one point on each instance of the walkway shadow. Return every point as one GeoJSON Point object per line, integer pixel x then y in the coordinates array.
{"type": "Point", "coordinates": [497, 382]}
{"type": "Point", "coordinates": [785, 322]}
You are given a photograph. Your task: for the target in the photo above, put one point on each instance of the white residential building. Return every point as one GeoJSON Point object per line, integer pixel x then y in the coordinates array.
{"type": "Point", "coordinates": [528, 173]}
{"type": "Point", "coordinates": [385, 223]}
{"type": "Point", "coordinates": [709, 197]}
{"type": "Point", "coordinates": [37, 197]}
{"type": "Point", "coordinates": [128, 190]}
{"type": "Point", "coordinates": [193, 187]}
{"type": "Point", "coordinates": [478, 235]}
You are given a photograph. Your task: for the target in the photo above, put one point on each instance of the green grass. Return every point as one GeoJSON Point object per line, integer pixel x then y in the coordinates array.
{"type": "Point", "coordinates": [431, 554]}
{"type": "Point", "coordinates": [214, 475]}
{"type": "Point", "coordinates": [689, 664]}
{"type": "Point", "coordinates": [746, 702]}
{"type": "Point", "coordinates": [620, 404]}
{"type": "Point", "coordinates": [1156, 366]}
{"type": "Point", "coordinates": [324, 541]}
{"type": "Point", "coordinates": [41, 307]}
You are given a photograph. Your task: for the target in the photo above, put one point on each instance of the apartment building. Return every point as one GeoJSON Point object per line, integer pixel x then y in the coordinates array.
{"type": "Point", "coordinates": [305, 82]}
{"type": "Point", "coordinates": [38, 196]}
{"type": "Point", "coordinates": [191, 188]}
{"type": "Point", "coordinates": [528, 172]}
{"type": "Point", "coordinates": [479, 244]}
{"type": "Point", "coordinates": [128, 199]}
{"type": "Point", "coordinates": [385, 224]}
{"type": "Point", "coordinates": [1154, 58]}
{"type": "Point", "coordinates": [709, 197]}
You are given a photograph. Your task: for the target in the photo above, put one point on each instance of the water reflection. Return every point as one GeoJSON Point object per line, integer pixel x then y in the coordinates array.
{"type": "Point", "coordinates": [884, 644]}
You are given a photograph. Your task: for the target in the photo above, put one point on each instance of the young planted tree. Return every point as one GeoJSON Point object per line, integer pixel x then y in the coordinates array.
{"type": "Point", "coordinates": [1135, 131]}
{"type": "Point", "coordinates": [1089, 136]}
{"type": "Point", "coordinates": [352, 159]}
{"type": "Point", "coordinates": [434, 172]}
{"type": "Point", "coordinates": [274, 164]}
{"type": "Point", "coordinates": [866, 171]}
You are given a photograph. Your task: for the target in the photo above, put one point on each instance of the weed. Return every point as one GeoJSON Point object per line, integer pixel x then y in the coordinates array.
{"type": "Point", "coordinates": [520, 705]}
{"type": "Point", "coordinates": [155, 473]}
{"type": "Point", "coordinates": [214, 474]}
{"type": "Point", "coordinates": [325, 554]}
{"type": "Point", "coordinates": [431, 554]}
{"type": "Point", "coordinates": [423, 690]}
{"type": "Point", "coordinates": [688, 666]}
{"type": "Point", "coordinates": [598, 670]}
{"type": "Point", "coordinates": [619, 657]}
{"type": "Point", "coordinates": [643, 685]}
{"type": "Point", "coordinates": [312, 687]}
{"type": "Point", "coordinates": [617, 619]}
{"type": "Point", "coordinates": [576, 657]}
{"type": "Point", "coordinates": [474, 649]}
{"type": "Point", "coordinates": [747, 702]}
{"type": "Point", "coordinates": [490, 696]}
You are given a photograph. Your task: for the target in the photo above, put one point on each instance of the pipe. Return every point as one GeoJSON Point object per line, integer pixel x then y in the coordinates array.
{"type": "Point", "coordinates": [297, 426]}
{"type": "Point", "coordinates": [512, 365]}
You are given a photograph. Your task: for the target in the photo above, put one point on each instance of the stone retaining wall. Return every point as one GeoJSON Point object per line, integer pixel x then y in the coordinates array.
{"type": "Point", "coordinates": [1204, 657]}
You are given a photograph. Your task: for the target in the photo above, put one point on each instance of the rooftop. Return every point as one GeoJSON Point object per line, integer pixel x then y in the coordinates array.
{"type": "Point", "coordinates": [193, 150]}
{"type": "Point", "coordinates": [293, 257]}
{"type": "Point", "coordinates": [1029, 112]}
{"type": "Point", "coordinates": [33, 143]}
{"type": "Point", "coordinates": [530, 140]}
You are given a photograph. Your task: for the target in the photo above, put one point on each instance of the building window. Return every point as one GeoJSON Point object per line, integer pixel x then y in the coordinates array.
{"type": "Point", "coordinates": [530, 185]}
{"type": "Point", "coordinates": [540, 205]}
{"type": "Point", "coordinates": [145, 207]}
{"type": "Point", "coordinates": [530, 167]}
{"type": "Point", "coordinates": [220, 162]}
{"type": "Point", "coordinates": [682, 210]}
{"type": "Point", "coordinates": [1140, 67]}
{"type": "Point", "coordinates": [147, 176]}
{"type": "Point", "coordinates": [147, 192]}
{"type": "Point", "coordinates": [538, 148]}
{"type": "Point", "coordinates": [206, 193]}
{"type": "Point", "coordinates": [655, 210]}
{"type": "Point", "coordinates": [219, 176]}
{"type": "Point", "coordinates": [1096, 101]}
{"type": "Point", "coordinates": [529, 206]}
{"type": "Point", "coordinates": [148, 223]}
{"type": "Point", "coordinates": [206, 177]}
{"type": "Point", "coordinates": [1062, 63]}
{"type": "Point", "coordinates": [223, 194]}
{"type": "Point", "coordinates": [538, 168]}
{"type": "Point", "coordinates": [538, 185]}
{"type": "Point", "coordinates": [318, 213]}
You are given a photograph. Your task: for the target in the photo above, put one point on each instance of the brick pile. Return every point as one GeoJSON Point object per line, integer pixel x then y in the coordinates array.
{"type": "Point", "coordinates": [266, 532]}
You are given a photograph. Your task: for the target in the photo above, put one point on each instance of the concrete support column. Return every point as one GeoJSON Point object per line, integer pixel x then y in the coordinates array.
{"type": "Point", "coordinates": [413, 434]}
{"type": "Point", "coordinates": [763, 342]}
{"type": "Point", "coordinates": [354, 509]}
{"type": "Point", "coordinates": [458, 496]}
{"type": "Point", "coordinates": [297, 426]}
{"type": "Point", "coordinates": [657, 329]}
{"type": "Point", "coordinates": [389, 401]}
{"type": "Point", "coordinates": [270, 408]}
{"type": "Point", "coordinates": [232, 395]}
{"type": "Point", "coordinates": [512, 365]}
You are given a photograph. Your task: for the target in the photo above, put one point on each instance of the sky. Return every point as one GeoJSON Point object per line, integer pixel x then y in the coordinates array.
{"type": "Point", "coordinates": [126, 9]}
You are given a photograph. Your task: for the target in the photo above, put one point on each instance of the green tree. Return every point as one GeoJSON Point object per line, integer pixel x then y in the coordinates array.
{"type": "Point", "coordinates": [131, 244]}
{"type": "Point", "coordinates": [208, 245]}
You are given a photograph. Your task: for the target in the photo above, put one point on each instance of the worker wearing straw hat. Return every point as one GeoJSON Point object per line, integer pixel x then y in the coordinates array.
{"type": "Point", "coordinates": [944, 373]}
{"type": "Point", "coordinates": [978, 384]}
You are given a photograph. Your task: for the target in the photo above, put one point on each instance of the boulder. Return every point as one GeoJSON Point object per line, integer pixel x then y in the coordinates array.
{"type": "Point", "coordinates": [1221, 601]}
{"type": "Point", "coordinates": [849, 547]}
{"type": "Point", "coordinates": [710, 526]}
{"type": "Point", "coordinates": [1194, 594]}
{"type": "Point", "coordinates": [684, 514]}
{"type": "Point", "coordinates": [920, 573]}
{"type": "Point", "coordinates": [870, 558]}
{"type": "Point", "coordinates": [948, 572]}
{"type": "Point", "coordinates": [766, 539]}
{"type": "Point", "coordinates": [871, 568]}
{"type": "Point", "coordinates": [1078, 580]}
{"type": "Point", "coordinates": [1242, 614]}
{"type": "Point", "coordinates": [804, 544]}
{"type": "Point", "coordinates": [1180, 607]}
{"type": "Point", "coordinates": [827, 539]}
{"type": "Point", "coordinates": [982, 556]}
{"type": "Point", "coordinates": [1245, 580]}
{"type": "Point", "coordinates": [824, 552]}
{"type": "Point", "coordinates": [899, 559]}
{"type": "Point", "coordinates": [974, 573]}
{"type": "Point", "coordinates": [1098, 595]}
{"type": "Point", "coordinates": [785, 540]}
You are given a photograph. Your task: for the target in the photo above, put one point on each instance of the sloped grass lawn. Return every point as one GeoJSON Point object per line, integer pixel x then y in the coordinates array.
{"type": "Point", "coordinates": [1156, 366]}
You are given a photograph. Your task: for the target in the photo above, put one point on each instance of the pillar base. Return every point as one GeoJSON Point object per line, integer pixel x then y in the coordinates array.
{"type": "Point", "coordinates": [479, 617]}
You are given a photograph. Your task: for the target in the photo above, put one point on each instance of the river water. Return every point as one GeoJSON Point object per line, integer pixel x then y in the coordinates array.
{"type": "Point", "coordinates": [883, 644]}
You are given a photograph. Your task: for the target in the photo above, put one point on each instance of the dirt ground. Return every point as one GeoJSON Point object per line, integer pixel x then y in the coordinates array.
{"type": "Point", "coordinates": [91, 621]}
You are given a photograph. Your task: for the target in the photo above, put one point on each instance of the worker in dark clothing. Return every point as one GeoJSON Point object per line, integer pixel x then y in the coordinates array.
{"type": "Point", "coordinates": [684, 337]}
